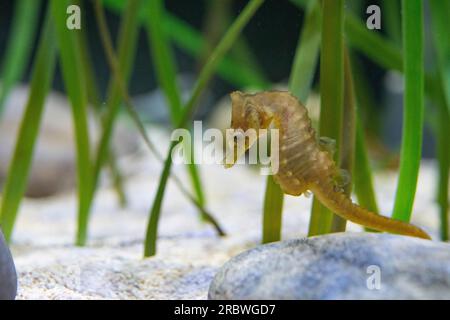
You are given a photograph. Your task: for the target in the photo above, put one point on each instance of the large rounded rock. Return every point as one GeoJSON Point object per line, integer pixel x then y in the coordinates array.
{"type": "Point", "coordinates": [8, 276]}
{"type": "Point", "coordinates": [338, 266]}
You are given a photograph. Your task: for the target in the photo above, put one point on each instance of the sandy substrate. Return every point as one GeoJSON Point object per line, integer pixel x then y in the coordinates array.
{"type": "Point", "coordinates": [189, 252]}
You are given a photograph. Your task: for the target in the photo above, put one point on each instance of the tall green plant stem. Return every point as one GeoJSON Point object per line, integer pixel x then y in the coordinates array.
{"type": "Point", "coordinates": [440, 11]}
{"type": "Point", "coordinates": [362, 177]}
{"type": "Point", "coordinates": [348, 136]}
{"type": "Point", "coordinates": [332, 96]}
{"type": "Point", "coordinates": [74, 81]}
{"type": "Point", "coordinates": [272, 211]}
{"type": "Point", "coordinates": [205, 75]}
{"type": "Point", "coordinates": [391, 11]}
{"type": "Point", "coordinates": [19, 166]}
{"type": "Point", "coordinates": [413, 108]}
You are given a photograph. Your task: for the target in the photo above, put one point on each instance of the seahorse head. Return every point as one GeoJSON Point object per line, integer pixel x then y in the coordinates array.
{"type": "Point", "coordinates": [247, 112]}
{"type": "Point", "coordinates": [247, 118]}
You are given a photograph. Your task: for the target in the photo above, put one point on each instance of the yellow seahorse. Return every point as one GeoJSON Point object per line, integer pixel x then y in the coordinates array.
{"type": "Point", "coordinates": [305, 164]}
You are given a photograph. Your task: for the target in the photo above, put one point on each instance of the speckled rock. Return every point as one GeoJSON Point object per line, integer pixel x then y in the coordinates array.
{"type": "Point", "coordinates": [338, 266]}
{"type": "Point", "coordinates": [8, 277]}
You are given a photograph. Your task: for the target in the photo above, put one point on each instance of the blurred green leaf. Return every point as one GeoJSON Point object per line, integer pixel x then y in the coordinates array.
{"type": "Point", "coordinates": [440, 11]}
{"type": "Point", "coordinates": [19, 46]}
{"type": "Point", "coordinates": [440, 14]}
{"type": "Point", "coordinates": [93, 91]}
{"type": "Point", "coordinates": [369, 114]}
{"type": "Point", "coordinates": [363, 175]}
{"type": "Point", "coordinates": [19, 166]}
{"type": "Point", "coordinates": [332, 96]}
{"type": "Point", "coordinates": [363, 180]}
{"type": "Point", "coordinates": [74, 81]}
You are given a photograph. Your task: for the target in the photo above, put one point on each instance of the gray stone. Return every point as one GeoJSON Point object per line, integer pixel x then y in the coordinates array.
{"type": "Point", "coordinates": [8, 276]}
{"type": "Point", "coordinates": [338, 266]}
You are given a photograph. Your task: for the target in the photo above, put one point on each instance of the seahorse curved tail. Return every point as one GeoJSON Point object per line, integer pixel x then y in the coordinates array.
{"type": "Point", "coordinates": [343, 206]}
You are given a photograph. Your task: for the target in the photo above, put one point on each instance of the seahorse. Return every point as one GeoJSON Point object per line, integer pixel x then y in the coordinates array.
{"type": "Point", "coordinates": [305, 162]}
